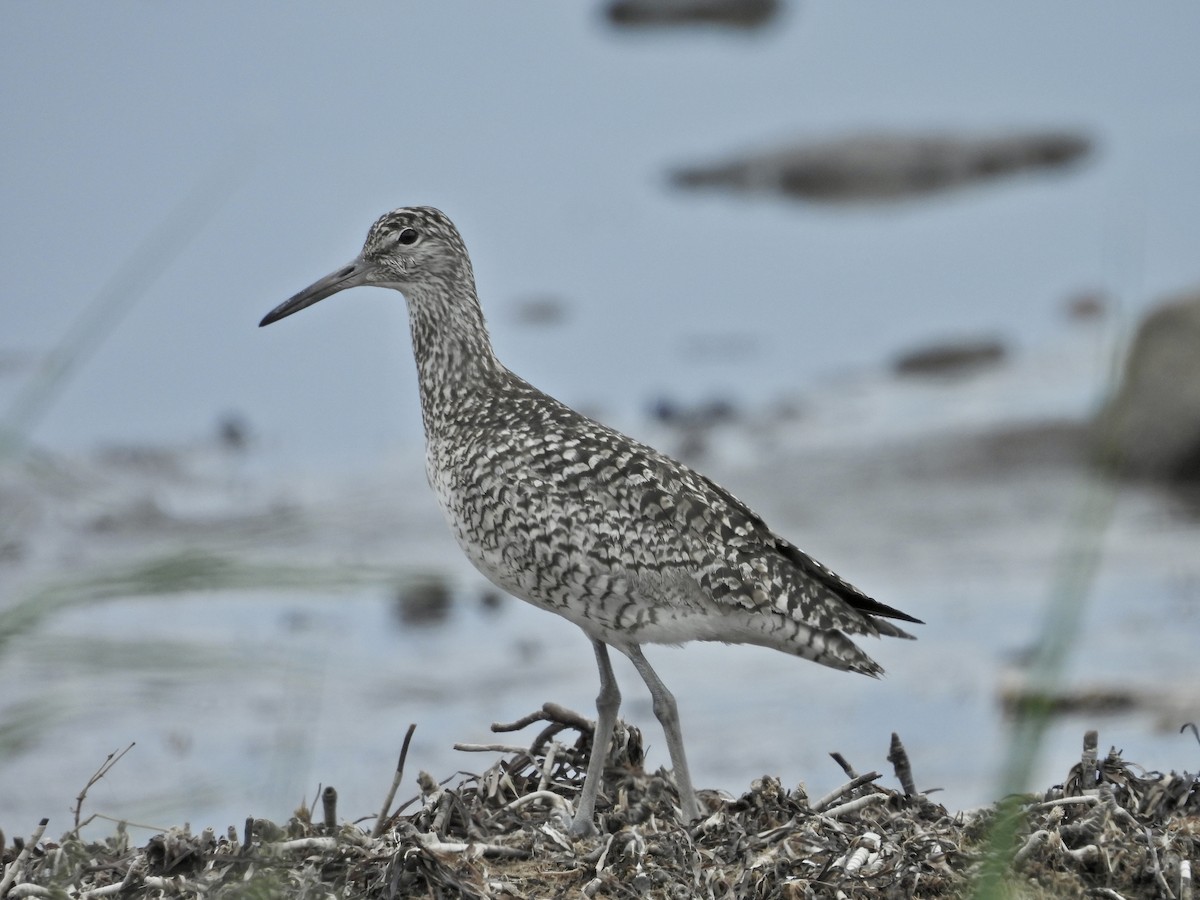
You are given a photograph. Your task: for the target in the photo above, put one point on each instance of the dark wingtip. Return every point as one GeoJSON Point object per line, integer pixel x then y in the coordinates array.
{"type": "Point", "coordinates": [872, 669]}
{"type": "Point", "coordinates": [873, 607]}
{"type": "Point", "coordinates": [838, 586]}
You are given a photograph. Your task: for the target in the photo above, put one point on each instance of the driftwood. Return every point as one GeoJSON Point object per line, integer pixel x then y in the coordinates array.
{"type": "Point", "coordinates": [1110, 830]}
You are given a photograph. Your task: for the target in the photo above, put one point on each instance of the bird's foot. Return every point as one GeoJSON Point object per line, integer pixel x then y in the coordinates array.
{"type": "Point", "coordinates": [583, 827]}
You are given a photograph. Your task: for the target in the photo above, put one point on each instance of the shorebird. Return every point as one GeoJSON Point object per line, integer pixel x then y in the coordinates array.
{"type": "Point", "coordinates": [578, 519]}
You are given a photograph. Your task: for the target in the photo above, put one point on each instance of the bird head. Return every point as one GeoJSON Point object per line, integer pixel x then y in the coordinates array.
{"type": "Point", "coordinates": [405, 249]}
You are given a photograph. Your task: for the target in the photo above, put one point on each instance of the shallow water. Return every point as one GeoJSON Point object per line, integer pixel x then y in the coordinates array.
{"type": "Point", "coordinates": [553, 203]}
{"type": "Point", "coordinates": [231, 611]}
{"type": "Point", "coordinates": [240, 625]}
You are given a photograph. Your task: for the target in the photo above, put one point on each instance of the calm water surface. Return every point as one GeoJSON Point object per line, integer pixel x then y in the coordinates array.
{"type": "Point", "coordinates": [241, 701]}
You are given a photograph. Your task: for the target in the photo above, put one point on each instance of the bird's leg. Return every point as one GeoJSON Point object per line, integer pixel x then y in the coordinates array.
{"type": "Point", "coordinates": [608, 701]}
{"type": "Point", "coordinates": [668, 715]}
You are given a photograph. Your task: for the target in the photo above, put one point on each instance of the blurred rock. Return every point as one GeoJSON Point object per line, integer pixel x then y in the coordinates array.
{"type": "Point", "coordinates": [492, 600]}
{"type": "Point", "coordinates": [886, 167]}
{"type": "Point", "coordinates": [1150, 427]}
{"type": "Point", "coordinates": [528, 650]}
{"type": "Point", "coordinates": [296, 621]}
{"type": "Point", "coordinates": [951, 359]}
{"type": "Point", "coordinates": [233, 431]}
{"type": "Point", "coordinates": [693, 425]}
{"type": "Point", "coordinates": [1087, 306]}
{"type": "Point", "coordinates": [423, 601]}
{"type": "Point", "coordinates": [659, 13]}
{"type": "Point", "coordinates": [705, 414]}
{"type": "Point", "coordinates": [542, 310]}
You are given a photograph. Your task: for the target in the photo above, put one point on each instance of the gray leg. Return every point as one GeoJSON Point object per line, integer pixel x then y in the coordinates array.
{"type": "Point", "coordinates": [668, 715]}
{"type": "Point", "coordinates": [608, 701]}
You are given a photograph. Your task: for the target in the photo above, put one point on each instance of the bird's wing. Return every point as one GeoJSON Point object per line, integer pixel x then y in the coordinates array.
{"type": "Point", "coordinates": [731, 552]}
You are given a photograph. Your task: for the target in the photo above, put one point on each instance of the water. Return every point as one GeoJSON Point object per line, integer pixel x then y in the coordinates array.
{"type": "Point", "coordinates": [548, 139]}
{"type": "Point", "coordinates": [293, 669]}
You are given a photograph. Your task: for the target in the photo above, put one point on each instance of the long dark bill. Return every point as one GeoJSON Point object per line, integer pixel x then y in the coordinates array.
{"type": "Point", "coordinates": [345, 277]}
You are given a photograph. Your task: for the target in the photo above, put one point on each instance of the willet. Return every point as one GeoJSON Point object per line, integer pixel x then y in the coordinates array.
{"type": "Point", "coordinates": [578, 519]}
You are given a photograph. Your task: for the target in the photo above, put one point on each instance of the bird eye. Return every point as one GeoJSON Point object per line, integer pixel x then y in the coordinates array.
{"type": "Point", "coordinates": [407, 236]}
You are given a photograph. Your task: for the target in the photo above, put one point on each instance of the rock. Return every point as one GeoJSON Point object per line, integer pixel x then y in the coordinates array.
{"type": "Point", "coordinates": [728, 13]}
{"type": "Point", "coordinates": [1150, 427]}
{"type": "Point", "coordinates": [491, 600]}
{"type": "Point", "coordinates": [1087, 306]}
{"type": "Point", "coordinates": [875, 167]}
{"type": "Point", "coordinates": [703, 414]}
{"type": "Point", "coordinates": [233, 432]}
{"type": "Point", "coordinates": [423, 600]}
{"type": "Point", "coordinates": [951, 358]}
{"type": "Point", "coordinates": [540, 310]}
{"type": "Point", "coordinates": [694, 424]}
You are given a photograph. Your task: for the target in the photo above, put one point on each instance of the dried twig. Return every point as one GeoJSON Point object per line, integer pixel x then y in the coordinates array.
{"type": "Point", "coordinates": [29, 890]}
{"type": "Point", "coordinates": [898, 757]}
{"type": "Point", "coordinates": [846, 767]}
{"type": "Point", "coordinates": [381, 821]}
{"type": "Point", "coordinates": [1091, 752]}
{"type": "Point", "coordinates": [1081, 800]}
{"type": "Point", "coordinates": [854, 783]}
{"type": "Point", "coordinates": [548, 768]}
{"type": "Point", "coordinates": [550, 712]}
{"type": "Point", "coordinates": [1157, 866]}
{"type": "Point", "coordinates": [116, 887]}
{"type": "Point", "coordinates": [120, 823]}
{"type": "Point", "coordinates": [471, 838]}
{"type": "Point", "coordinates": [16, 868]}
{"type": "Point", "coordinates": [538, 715]}
{"type": "Point", "coordinates": [112, 759]}
{"type": "Point", "coordinates": [559, 802]}
{"type": "Point", "coordinates": [329, 806]}
{"type": "Point", "coordinates": [1195, 730]}
{"type": "Point", "coordinates": [855, 805]}
{"type": "Point", "coordinates": [469, 847]}
{"type": "Point", "coordinates": [489, 748]}
{"type": "Point", "coordinates": [1031, 844]}
{"type": "Point", "coordinates": [306, 843]}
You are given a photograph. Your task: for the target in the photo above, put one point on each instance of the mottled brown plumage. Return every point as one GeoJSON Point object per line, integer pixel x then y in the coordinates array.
{"type": "Point", "coordinates": [572, 516]}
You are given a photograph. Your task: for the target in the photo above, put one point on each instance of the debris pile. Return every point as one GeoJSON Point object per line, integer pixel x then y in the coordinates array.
{"type": "Point", "coordinates": [1109, 830]}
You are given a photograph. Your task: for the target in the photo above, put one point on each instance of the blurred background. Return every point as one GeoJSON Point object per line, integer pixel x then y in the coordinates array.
{"type": "Point", "coordinates": [874, 267]}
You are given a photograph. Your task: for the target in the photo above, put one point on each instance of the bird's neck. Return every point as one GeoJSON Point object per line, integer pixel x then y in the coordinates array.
{"type": "Point", "coordinates": [456, 366]}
